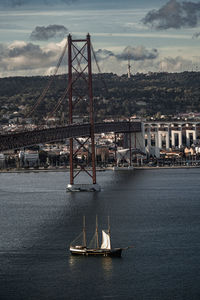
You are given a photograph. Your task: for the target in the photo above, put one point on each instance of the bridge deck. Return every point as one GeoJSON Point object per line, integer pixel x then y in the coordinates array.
{"type": "Point", "coordinates": [29, 138]}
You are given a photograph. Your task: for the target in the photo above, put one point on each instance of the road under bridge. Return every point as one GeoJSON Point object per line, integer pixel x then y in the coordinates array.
{"type": "Point", "coordinates": [55, 134]}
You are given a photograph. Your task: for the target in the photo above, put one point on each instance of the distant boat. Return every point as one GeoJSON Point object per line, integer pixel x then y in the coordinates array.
{"type": "Point", "coordinates": [93, 248]}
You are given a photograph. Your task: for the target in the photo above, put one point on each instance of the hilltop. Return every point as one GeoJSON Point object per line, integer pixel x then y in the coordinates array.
{"type": "Point", "coordinates": [114, 96]}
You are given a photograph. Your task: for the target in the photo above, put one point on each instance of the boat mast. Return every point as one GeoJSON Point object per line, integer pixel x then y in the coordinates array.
{"type": "Point", "coordinates": [108, 225]}
{"type": "Point", "coordinates": [84, 233]}
{"type": "Point", "coordinates": [109, 231]}
{"type": "Point", "coordinates": [97, 236]}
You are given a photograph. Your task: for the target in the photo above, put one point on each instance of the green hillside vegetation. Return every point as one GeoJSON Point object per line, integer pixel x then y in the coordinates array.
{"type": "Point", "coordinates": [114, 96]}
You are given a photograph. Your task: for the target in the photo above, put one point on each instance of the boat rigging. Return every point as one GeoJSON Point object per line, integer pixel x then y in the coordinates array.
{"type": "Point", "coordinates": [93, 248]}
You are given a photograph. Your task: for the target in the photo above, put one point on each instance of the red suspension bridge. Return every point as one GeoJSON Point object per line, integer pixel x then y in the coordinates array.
{"type": "Point", "coordinates": [79, 73]}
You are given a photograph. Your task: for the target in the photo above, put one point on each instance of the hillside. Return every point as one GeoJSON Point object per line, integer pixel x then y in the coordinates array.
{"type": "Point", "coordinates": [116, 96]}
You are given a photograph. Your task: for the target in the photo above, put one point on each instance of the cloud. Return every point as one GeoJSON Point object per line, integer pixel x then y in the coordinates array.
{"type": "Point", "coordinates": [28, 56]}
{"type": "Point", "coordinates": [103, 54]}
{"type": "Point", "coordinates": [174, 15]}
{"type": "Point", "coordinates": [29, 59]}
{"type": "Point", "coordinates": [196, 35]}
{"type": "Point", "coordinates": [144, 62]}
{"type": "Point", "coordinates": [165, 64]}
{"type": "Point", "coordinates": [15, 3]}
{"type": "Point", "coordinates": [174, 64]}
{"type": "Point", "coordinates": [68, 1]}
{"type": "Point", "coordinates": [138, 53]}
{"type": "Point", "coordinates": [134, 53]}
{"type": "Point", "coordinates": [42, 33]}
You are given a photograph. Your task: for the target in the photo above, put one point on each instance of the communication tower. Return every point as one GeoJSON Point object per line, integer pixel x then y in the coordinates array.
{"type": "Point", "coordinates": [129, 67]}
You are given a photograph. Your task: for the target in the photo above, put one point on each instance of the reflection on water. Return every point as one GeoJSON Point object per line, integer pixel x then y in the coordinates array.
{"type": "Point", "coordinates": [107, 266]}
{"type": "Point", "coordinates": [105, 263]}
{"type": "Point", "coordinates": [72, 261]}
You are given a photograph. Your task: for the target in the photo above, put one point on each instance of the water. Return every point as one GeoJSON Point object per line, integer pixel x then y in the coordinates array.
{"type": "Point", "coordinates": [157, 211]}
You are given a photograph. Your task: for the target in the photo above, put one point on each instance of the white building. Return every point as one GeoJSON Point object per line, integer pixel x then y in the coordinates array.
{"type": "Point", "coordinates": [169, 135]}
{"type": "Point", "coordinates": [155, 136]}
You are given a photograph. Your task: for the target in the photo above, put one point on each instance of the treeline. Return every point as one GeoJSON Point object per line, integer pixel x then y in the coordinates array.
{"type": "Point", "coordinates": [114, 96]}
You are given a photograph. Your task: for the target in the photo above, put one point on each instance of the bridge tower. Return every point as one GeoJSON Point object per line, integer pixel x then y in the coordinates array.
{"type": "Point", "coordinates": [80, 91]}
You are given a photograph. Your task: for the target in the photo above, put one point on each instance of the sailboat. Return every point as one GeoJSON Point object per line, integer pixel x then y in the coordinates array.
{"type": "Point", "coordinates": [93, 248]}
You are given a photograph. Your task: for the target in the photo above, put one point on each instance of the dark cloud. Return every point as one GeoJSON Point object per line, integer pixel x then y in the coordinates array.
{"type": "Point", "coordinates": [138, 53]}
{"type": "Point", "coordinates": [15, 3]}
{"type": "Point", "coordinates": [196, 35]}
{"type": "Point", "coordinates": [102, 54]}
{"type": "Point", "coordinates": [174, 15]}
{"type": "Point", "coordinates": [133, 53]}
{"type": "Point", "coordinates": [68, 1]}
{"type": "Point", "coordinates": [42, 33]}
{"type": "Point", "coordinates": [30, 51]}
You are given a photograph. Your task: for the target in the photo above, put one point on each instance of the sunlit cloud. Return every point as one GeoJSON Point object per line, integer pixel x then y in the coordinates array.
{"type": "Point", "coordinates": [21, 55]}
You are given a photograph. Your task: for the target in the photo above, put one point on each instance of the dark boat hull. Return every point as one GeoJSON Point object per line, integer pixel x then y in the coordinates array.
{"type": "Point", "coordinates": [116, 252]}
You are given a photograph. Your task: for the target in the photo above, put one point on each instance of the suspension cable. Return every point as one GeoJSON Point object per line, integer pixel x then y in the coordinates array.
{"type": "Point", "coordinates": [98, 67]}
{"type": "Point", "coordinates": [58, 103]}
{"type": "Point", "coordinates": [48, 84]}
{"type": "Point", "coordinates": [69, 84]}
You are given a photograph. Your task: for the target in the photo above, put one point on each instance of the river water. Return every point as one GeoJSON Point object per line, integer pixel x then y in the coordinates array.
{"type": "Point", "coordinates": [156, 211]}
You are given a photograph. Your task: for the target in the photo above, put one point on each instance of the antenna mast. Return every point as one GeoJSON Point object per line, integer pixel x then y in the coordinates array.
{"type": "Point", "coordinates": [97, 236]}
{"type": "Point", "coordinates": [108, 225]}
{"type": "Point", "coordinates": [129, 66]}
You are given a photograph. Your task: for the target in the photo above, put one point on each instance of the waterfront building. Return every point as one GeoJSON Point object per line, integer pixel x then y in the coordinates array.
{"type": "Point", "coordinates": [2, 161]}
{"type": "Point", "coordinates": [157, 136]}
{"type": "Point", "coordinates": [29, 158]}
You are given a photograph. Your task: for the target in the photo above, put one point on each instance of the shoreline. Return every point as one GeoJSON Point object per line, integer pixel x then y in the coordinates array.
{"type": "Point", "coordinates": [166, 167]}
{"type": "Point", "coordinates": [98, 169]}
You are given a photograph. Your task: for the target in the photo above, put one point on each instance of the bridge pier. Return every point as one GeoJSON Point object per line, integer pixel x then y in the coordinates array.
{"type": "Point", "coordinates": [83, 187]}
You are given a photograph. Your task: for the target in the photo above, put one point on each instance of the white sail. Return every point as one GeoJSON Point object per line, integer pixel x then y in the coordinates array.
{"type": "Point", "coordinates": [105, 241]}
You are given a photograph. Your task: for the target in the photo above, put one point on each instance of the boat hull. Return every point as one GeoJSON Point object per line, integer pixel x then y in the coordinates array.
{"type": "Point", "coordinates": [116, 252]}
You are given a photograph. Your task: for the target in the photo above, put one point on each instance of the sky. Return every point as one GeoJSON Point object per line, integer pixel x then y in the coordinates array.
{"type": "Point", "coordinates": [157, 36]}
